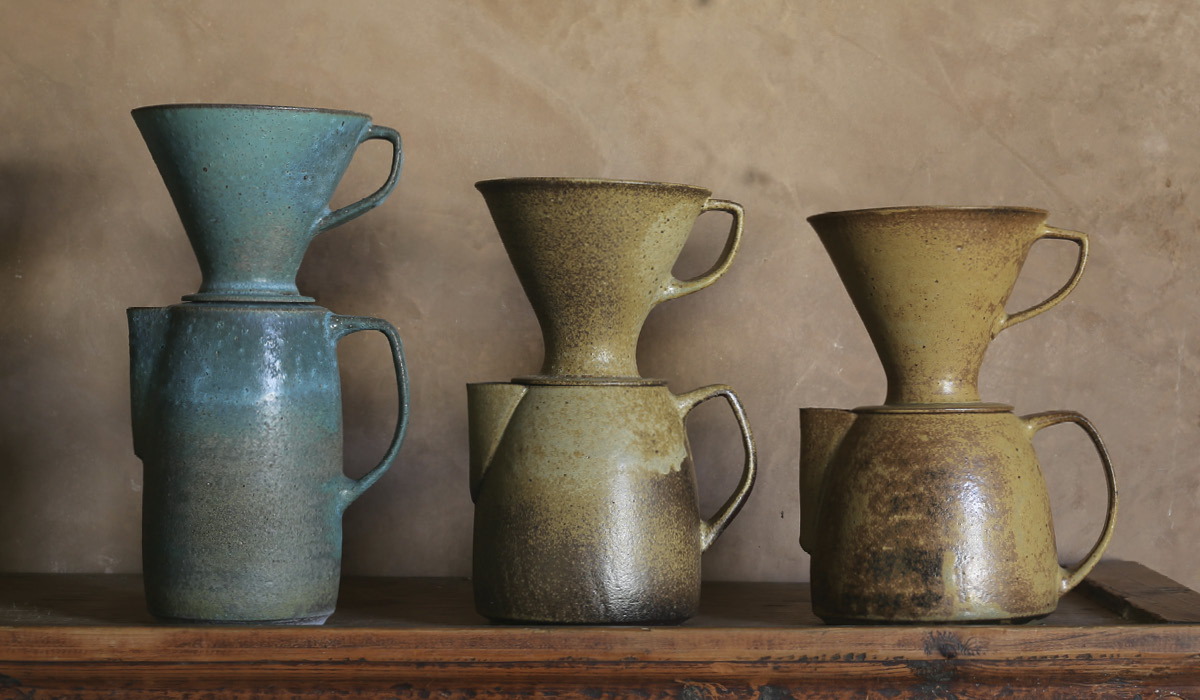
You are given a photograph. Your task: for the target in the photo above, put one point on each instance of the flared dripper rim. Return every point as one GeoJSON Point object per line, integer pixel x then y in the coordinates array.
{"type": "Point", "coordinates": [497, 183]}
{"type": "Point", "coordinates": [180, 106]}
{"type": "Point", "coordinates": [889, 211]}
{"type": "Point", "coordinates": [937, 408]}
{"type": "Point", "coordinates": [579, 380]}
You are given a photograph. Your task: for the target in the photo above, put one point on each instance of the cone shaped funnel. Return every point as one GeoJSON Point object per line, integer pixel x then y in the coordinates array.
{"type": "Point", "coordinates": [930, 284]}
{"type": "Point", "coordinates": [252, 186]}
{"type": "Point", "coordinates": [595, 256]}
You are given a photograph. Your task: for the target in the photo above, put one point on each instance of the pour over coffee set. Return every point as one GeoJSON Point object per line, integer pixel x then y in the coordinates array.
{"type": "Point", "coordinates": [928, 508]}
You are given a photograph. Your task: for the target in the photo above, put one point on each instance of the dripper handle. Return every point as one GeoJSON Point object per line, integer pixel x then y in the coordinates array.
{"type": "Point", "coordinates": [340, 327]}
{"type": "Point", "coordinates": [1037, 421]}
{"type": "Point", "coordinates": [1063, 234]}
{"type": "Point", "coordinates": [677, 288]}
{"type": "Point", "coordinates": [711, 529]}
{"type": "Point", "coordinates": [366, 204]}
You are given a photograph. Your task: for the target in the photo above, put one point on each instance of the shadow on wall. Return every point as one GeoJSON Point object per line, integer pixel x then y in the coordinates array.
{"type": "Point", "coordinates": [418, 515]}
{"type": "Point", "coordinates": [17, 466]}
{"type": "Point", "coordinates": [65, 407]}
{"type": "Point", "coordinates": [347, 271]}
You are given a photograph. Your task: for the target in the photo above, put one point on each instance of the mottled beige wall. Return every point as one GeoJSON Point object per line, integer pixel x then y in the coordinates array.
{"type": "Point", "coordinates": [790, 108]}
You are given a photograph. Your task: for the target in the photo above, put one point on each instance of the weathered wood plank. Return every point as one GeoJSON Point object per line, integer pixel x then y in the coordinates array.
{"type": "Point", "coordinates": [896, 679]}
{"type": "Point", "coordinates": [1142, 595]}
{"type": "Point", "coordinates": [90, 637]}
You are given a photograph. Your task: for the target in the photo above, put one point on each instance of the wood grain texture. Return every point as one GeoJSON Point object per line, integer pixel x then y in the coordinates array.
{"type": "Point", "coordinates": [1142, 595]}
{"type": "Point", "coordinates": [88, 636]}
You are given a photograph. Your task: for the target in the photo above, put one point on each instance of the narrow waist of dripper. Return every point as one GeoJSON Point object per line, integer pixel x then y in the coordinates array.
{"type": "Point", "coordinates": [249, 298]}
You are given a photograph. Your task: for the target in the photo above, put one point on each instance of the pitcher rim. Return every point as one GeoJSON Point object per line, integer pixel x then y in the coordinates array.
{"type": "Point", "coordinates": [170, 106]}
{"type": "Point", "coordinates": [1003, 209]}
{"type": "Point", "coordinates": [587, 182]}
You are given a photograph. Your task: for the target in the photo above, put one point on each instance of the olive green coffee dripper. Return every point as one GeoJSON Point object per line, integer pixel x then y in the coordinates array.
{"type": "Point", "coordinates": [595, 256]}
{"type": "Point", "coordinates": [586, 508]}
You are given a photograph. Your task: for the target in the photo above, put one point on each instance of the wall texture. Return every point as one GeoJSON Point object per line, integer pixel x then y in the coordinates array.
{"type": "Point", "coordinates": [789, 108]}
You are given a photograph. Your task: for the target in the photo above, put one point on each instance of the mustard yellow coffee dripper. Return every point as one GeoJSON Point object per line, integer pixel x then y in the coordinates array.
{"type": "Point", "coordinates": [930, 284]}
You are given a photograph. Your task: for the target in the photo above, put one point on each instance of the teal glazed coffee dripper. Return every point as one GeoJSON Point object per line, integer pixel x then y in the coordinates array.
{"type": "Point", "coordinates": [252, 185]}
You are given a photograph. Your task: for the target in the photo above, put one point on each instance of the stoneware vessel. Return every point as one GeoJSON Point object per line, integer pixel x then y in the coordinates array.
{"type": "Point", "coordinates": [930, 284]}
{"type": "Point", "coordinates": [934, 514]}
{"type": "Point", "coordinates": [252, 186]}
{"type": "Point", "coordinates": [595, 256]}
{"type": "Point", "coordinates": [585, 501]}
{"type": "Point", "coordinates": [237, 418]}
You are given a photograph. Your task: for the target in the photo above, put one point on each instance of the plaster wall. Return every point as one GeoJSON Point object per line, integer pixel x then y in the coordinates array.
{"type": "Point", "coordinates": [790, 108]}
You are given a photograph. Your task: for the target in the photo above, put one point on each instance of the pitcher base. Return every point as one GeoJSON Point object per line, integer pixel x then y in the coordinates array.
{"type": "Point", "coordinates": [310, 620]}
{"type": "Point", "coordinates": [842, 621]}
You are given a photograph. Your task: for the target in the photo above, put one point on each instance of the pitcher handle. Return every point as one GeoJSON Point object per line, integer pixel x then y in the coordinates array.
{"type": "Point", "coordinates": [342, 326]}
{"type": "Point", "coordinates": [1037, 421]}
{"type": "Point", "coordinates": [1062, 234]}
{"type": "Point", "coordinates": [711, 529]}
{"type": "Point", "coordinates": [677, 288]}
{"type": "Point", "coordinates": [366, 204]}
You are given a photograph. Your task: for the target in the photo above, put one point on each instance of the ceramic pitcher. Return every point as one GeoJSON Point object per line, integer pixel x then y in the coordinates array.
{"type": "Point", "coordinates": [237, 418]}
{"type": "Point", "coordinates": [252, 186]}
{"type": "Point", "coordinates": [930, 284]}
{"type": "Point", "coordinates": [585, 501]}
{"type": "Point", "coordinates": [595, 256]}
{"type": "Point", "coordinates": [934, 514]}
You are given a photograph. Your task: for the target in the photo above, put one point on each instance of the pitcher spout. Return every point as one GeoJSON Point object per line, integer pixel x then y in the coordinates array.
{"type": "Point", "coordinates": [490, 407]}
{"type": "Point", "coordinates": [821, 433]}
{"type": "Point", "coordinates": [147, 340]}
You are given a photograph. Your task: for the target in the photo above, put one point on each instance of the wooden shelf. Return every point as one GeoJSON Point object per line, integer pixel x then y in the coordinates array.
{"type": "Point", "coordinates": [1126, 632]}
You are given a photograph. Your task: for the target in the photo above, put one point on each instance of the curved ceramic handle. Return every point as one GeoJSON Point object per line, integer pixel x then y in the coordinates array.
{"type": "Point", "coordinates": [342, 326]}
{"type": "Point", "coordinates": [366, 204]}
{"type": "Point", "coordinates": [677, 288]}
{"type": "Point", "coordinates": [711, 529]}
{"type": "Point", "coordinates": [1081, 240]}
{"type": "Point", "coordinates": [1071, 577]}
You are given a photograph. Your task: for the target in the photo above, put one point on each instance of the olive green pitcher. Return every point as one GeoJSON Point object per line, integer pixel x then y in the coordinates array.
{"type": "Point", "coordinates": [585, 501]}
{"type": "Point", "coordinates": [585, 496]}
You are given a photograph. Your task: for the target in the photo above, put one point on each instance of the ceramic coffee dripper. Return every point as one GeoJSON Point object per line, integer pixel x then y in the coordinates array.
{"type": "Point", "coordinates": [932, 507]}
{"type": "Point", "coordinates": [237, 417]}
{"type": "Point", "coordinates": [252, 186]}
{"type": "Point", "coordinates": [930, 284]}
{"type": "Point", "coordinates": [585, 495]}
{"type": "Point", "coordinates": [934, 514]}
{"type": "Point", "coordinates": [595, 256]}
{"type": "Point", "coordinates": [586, 508]}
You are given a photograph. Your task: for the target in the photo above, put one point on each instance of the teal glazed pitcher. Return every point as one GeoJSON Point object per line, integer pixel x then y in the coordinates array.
{"type": "Point", "coordinates": [237, 418]}
{"type": "Point", "coordinates": [252, 185]}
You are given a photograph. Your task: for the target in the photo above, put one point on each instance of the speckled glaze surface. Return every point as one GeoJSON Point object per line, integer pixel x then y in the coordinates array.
{"type": "Point", "coordinates": [237, 418]}
{"type": "Point", "coordinates": [595, 256]}
{"type": "Point", "coordinates": [930, 284]}
{"type": "Point", "coordinates": [585, 502]}
{"type": "Point", "coordinates": [252, 186]}
{"type": "Point", "coordinates": [934, 515]}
